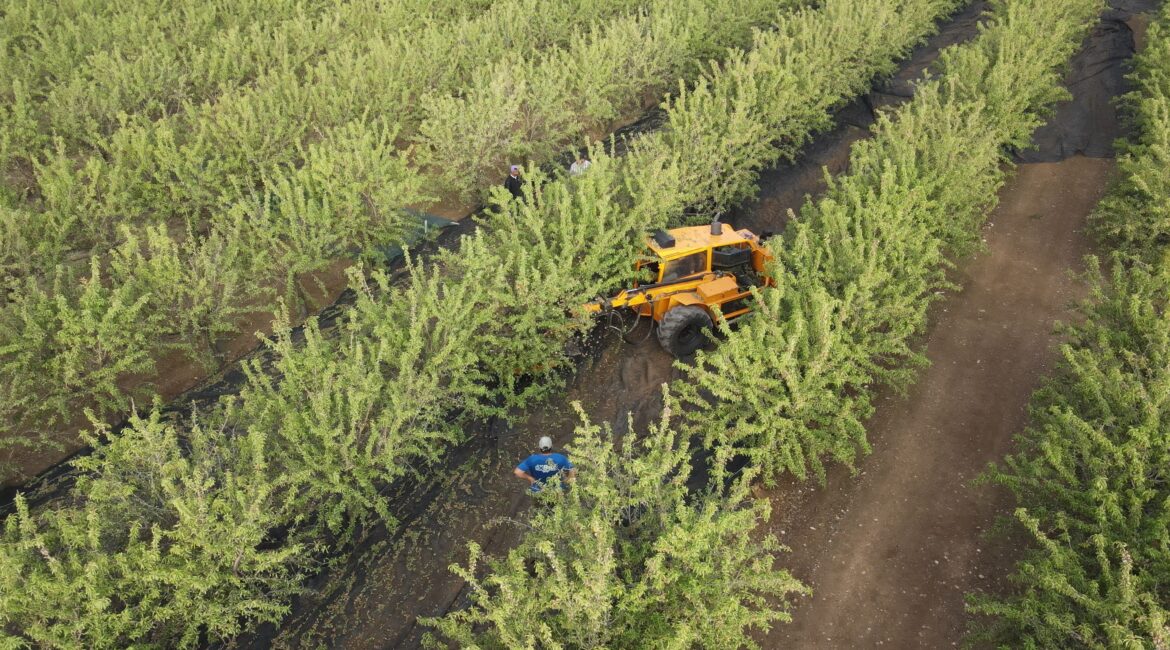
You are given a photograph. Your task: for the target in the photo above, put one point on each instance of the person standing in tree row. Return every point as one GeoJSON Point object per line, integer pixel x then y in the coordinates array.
{"type": "Point", "coordinates": [513, 183]}
{"type": "Point", "coordinates": [538, 468]}
{"type": "Point", "coordinates": [579, 165]}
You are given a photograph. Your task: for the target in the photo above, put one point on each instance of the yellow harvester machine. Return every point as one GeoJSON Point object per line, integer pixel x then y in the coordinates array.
{"type": "Point", "coordinates": [693, 272]}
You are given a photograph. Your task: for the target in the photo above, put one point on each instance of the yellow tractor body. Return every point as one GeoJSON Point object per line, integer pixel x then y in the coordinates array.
{"type": "Point", "coordinates": [694, 273]}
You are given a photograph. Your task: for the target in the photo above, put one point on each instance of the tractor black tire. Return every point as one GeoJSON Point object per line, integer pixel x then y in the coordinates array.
{"type": "Point", "coordinates": [684, 329]}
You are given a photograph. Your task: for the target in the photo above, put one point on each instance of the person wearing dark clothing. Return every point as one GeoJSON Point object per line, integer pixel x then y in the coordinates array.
{"type": "Point", "coordinates": [514, 183]}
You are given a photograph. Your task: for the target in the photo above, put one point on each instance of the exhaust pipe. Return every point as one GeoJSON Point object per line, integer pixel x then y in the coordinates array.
{"type": "Point", "coordinates": [716, 227]}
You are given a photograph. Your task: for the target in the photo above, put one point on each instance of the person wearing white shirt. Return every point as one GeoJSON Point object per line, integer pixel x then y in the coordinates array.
{"type": "Point", "coordinates": [579, 166]}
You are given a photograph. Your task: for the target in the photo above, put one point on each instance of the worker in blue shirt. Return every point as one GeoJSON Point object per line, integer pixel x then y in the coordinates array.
{"type": "Point", "coordinates": [539, 467]}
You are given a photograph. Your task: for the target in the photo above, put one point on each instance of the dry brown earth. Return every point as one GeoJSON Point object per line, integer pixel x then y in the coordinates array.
{"type": "Point", "coordinates": [891, 551]}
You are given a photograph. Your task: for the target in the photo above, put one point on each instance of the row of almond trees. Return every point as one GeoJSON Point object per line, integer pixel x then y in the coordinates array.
{"type": "Point", "coordinates": [790, 387]}
{"type": "Point", "coordinates": [176, 530]}
{"type": "Point", "coordinates": [104, 105]}
{"type": "Point", "coordinates": [1090, 475]}
{"type": "Point", "coordinates": [75, 71]}
{"type": "Point", "coordinates": [74, 330]}
{"type": "Point", "coordinates": [628, 558]}
{"type": "Point", "coordinates": [289, 175]}
{"type": "Point", "coordinates": [186, 167]}
{"type": "Point", "coordinates": [857, 270]}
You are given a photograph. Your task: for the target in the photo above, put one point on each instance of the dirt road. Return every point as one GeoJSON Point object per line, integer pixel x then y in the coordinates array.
{"type": "Point", "coordinates": [890, 552]}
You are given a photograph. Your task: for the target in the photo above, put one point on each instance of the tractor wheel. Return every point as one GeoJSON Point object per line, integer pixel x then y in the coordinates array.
{"type": "Point", "coordinates": [683, 329]}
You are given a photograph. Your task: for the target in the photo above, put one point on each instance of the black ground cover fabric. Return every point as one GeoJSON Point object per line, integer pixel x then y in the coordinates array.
{"type": "Point", "coordinates": [1090, 123]}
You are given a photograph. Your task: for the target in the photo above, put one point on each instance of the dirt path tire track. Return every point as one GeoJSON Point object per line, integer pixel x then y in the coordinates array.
{"type": "Point", "coordinates": [890, 552]}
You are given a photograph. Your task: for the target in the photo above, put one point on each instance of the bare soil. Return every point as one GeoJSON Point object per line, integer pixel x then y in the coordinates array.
{"type": "Point", "coordinates": [891, 550]}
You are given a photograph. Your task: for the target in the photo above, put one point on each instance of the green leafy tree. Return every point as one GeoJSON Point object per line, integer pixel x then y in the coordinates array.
{"type": "Point", "coordinates": [1089, 473]}
{"type": "Point", "coordinates": [1090, 481]}
{"type": "Point", "coordinates": [856, 272]}
{"type": "Point", "coordinates": [197, 289]}
{"type": "Point", "coordinates": [162, 543]}
{"type": "Point", "coordinates": [626, 557]}
{"type": "Point", "coordinates": [77, 342]}
{"type": "Point", "coordinates": [348, 415]}
{"type": "Point", "coordinates": [1135, 217]}
{"type": "Point", "coordinates": [532, 107]}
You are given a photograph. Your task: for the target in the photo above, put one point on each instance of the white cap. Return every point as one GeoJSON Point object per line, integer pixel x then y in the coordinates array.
{"type": "Point", "coordinates": [545, 443]}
